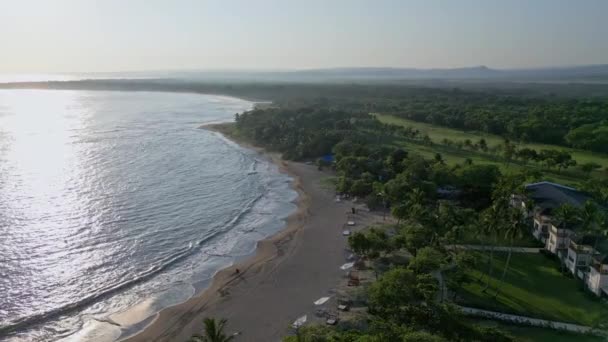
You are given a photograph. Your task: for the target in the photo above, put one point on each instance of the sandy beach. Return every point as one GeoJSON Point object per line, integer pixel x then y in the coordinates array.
{"type": "Point", "coordinates": [289, 271]}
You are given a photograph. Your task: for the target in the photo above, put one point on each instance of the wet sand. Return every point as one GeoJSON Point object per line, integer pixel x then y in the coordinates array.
{"type": "Point", "coordinates": [288, 273]}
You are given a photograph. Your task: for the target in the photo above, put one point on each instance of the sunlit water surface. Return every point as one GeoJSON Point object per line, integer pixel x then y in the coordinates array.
{"type": "Point", "coordinates": [114, 205]}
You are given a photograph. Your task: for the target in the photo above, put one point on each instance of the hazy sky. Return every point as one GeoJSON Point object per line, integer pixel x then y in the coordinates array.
{"type": "Point", "coordinates": [122, 35]}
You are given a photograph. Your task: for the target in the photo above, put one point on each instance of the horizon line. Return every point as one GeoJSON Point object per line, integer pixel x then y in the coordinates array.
{"type": "Point", "coordinates": [303, 69]}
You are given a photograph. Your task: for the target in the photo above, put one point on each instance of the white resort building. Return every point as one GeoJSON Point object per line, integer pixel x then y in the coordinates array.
{"type": "Point", "coordinates": [574, 249]}
{"type": "Point", "coordinates": [580, 256]}
{"type": "Point", "coordinates": [597, 279]}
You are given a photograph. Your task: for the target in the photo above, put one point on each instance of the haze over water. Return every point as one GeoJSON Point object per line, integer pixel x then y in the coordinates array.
{"type": "Point", "coordinates": [112, 199]}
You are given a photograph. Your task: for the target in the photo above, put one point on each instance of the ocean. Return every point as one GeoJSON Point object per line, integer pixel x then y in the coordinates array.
{"type": "Point", "coordinates": [114, 205]}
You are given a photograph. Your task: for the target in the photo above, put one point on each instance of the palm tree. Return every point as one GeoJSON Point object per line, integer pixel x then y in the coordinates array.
{"type": "Point", "coordinates": [490, 226]}
{"type": "Point", "coordinates": [214, 332]}
{"type": "Point", "coordinates": [413, 207]}
{"type": "Point", "coordinates": [400, 211]}
{"type": "Point", "coordinates": [514, 229]}
{"type": "Point", "coordinates": [502, 217]}
{"type": "Point", "coordinates": [567, 215]}
{"type": "Point", "coordinates": [416, 196]}
{"type": "Point", "coordinates": [591, 218]}
{"type": "Point", "coordinates": [418, 209]}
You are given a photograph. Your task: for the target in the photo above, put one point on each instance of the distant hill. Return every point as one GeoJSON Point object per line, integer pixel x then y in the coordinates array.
{"type": "Point", "coordinates": [479, 72]}
{"type": "Point", "coordinates": [591, 73]}
{"type": "Point", "coordinates": [573, 74]}
{"type": "Point", "coordinates": [400, 73]}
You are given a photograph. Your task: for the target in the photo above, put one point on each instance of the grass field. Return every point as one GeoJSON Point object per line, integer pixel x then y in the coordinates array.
{"type": "Point", "coordinates": [534, 334]}
{"type": "Point", "coordinates": [437, 133]}
{"type": "Point", "coordinates": [533, 287]}
{"type": "Point", "coordinates": [453, 155]}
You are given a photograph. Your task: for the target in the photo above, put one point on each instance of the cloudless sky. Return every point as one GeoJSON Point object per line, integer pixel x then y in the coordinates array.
{"type": "Point", "coordinates": [129, 35]}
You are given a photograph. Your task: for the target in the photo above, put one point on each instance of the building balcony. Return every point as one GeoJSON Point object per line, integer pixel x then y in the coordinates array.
{"type": "Point", "coordinates": [581, 248]}
{"type": "Point", "coordinates": [601, 270]}
{"type": "Point", "coordinates": [542, 219]}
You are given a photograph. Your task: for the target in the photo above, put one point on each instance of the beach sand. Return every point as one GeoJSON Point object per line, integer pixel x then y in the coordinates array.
{"type": "Point", "coordinates": [289, 271]}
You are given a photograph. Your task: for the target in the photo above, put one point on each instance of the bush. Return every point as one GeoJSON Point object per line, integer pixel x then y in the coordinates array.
{"type": "Point", "coordinates": [361, 188]}
{"type": "Point", "coordinates": [374, 202]}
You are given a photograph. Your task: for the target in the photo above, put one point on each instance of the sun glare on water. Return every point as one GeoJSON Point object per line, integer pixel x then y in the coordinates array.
{"type": "Point", "coordinates": [41, 168]}
{"type": "Point", "coordinates": [40, 136]}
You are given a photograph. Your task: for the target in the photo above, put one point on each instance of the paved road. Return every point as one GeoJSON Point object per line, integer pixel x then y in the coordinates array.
{"type": "Point", "coordinates": [533, 321]}
{"type": "Point", "coordinates": [495, 248]}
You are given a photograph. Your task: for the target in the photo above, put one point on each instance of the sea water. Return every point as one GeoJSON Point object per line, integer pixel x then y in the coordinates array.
{"type": "Point", "coordinates": [114, 205]}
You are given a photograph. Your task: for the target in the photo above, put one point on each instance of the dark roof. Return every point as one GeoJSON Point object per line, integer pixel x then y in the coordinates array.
{"type": "Point", "coordinates": [553, 195]}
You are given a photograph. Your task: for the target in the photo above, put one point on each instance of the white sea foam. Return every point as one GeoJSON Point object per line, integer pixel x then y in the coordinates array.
{"type": "Point", "coordinates": [115, 201]}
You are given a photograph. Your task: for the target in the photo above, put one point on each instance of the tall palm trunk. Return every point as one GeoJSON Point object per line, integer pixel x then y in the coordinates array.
{"type": "Point", "coordinates": [505, 269]}
{"type": "Point", "coordinates": [491, 227]}
{"type": "Point", "coordinates": [490, 268]}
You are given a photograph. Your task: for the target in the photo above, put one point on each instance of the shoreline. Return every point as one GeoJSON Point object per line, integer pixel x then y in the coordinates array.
{"type": "Point", "coordinates": [288, 272]}
{"type": "Point", "coordinates": [65, 85]}
{"type": "Point", "coordinates": [266, 249]}
{"type": "Point", "coordinates": [106, 328]}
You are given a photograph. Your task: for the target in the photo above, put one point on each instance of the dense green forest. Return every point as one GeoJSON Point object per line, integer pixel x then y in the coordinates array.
{"type": "Point", "coordinates": [573, 115]}
{"type": "Point", "coordinates": [436, 205]}
{"type": "Point", "coordinates": [400, 303]}
{"type": "Point", "coordinates": [310, 132]}
{"type": "Point", "coordinates": [362, 147]}
{"type": "Point", "coordinates": [580, 122]}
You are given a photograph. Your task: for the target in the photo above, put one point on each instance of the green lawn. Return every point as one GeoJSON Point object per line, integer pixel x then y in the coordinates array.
{"type": "Point", "coordinates": [533, 287]}
{"type": "Point", "coordinates": [529, 334]}
{"type": "Point", "coordinates": [456, 156]}
{"type": "Point", "coordinates": [437, 133]}
{"type": "Point", "coordinates": [453, 155]}
{"type": "Point", "coordinates": [535, 334]}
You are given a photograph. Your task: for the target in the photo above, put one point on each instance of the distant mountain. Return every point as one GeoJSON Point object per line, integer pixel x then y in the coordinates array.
{"type": "Point", "coordinates": [400, 73]}
{"type": "Point", "coordinates": [479, 72]}
{"type": "Point", "coordinates": [582, 74]}
{"type": "Point", "coordinates": [574, 73]}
